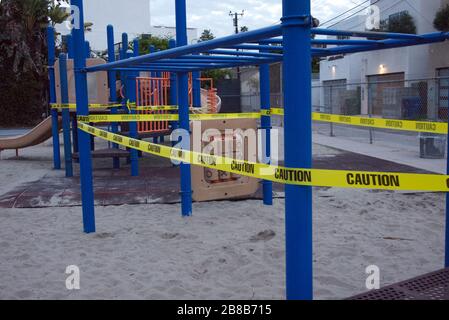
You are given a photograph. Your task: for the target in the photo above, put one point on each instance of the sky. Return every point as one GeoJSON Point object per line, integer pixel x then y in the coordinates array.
{"type": "Point", "coordinates": [214, 15]}
{"type": "Point", "coordinates": [136, 16]}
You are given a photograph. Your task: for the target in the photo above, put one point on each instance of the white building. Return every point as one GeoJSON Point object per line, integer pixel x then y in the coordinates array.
{"type": "Point", "coordinates": [132, 17]}
{"type": "Point", "coordinates": [398, 70]}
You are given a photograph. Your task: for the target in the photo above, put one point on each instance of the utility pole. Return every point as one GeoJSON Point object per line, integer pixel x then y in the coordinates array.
{"type": "Point", "coordinates": [236, 16]}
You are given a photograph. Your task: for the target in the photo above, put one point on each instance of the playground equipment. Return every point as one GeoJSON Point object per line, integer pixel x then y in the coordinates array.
{"type": "Point", "coordinates": [258, 47]}
{"type": "Point", "coordinates": [97, 84]}
{"type": "Point", "coordinates": [209, 184]}
{"type": "Point", "coordinates": [41, 133]}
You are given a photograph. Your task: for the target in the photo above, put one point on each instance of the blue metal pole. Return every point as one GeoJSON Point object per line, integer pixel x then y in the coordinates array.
{"type": "Point", "coordinates": [296, 25]}
{"type": "Point", "coordinates": [112, 88]}
{"type": "Point", "coordinates": [446, 259]}
{"type": "Point", "coordinates": [265, 104]}
{"type": "Point", "coordinates": [87, 53]}
{"type": "Point", "coordinates": [65, 115]}
{"type": "Point", "coordinates": [54, 112]}
{"type": "Point", "coordinates": [199, 47]}
{"type": "Point", "coordinates": [173, 88]}
{"type": "Point", "coordinates": [132, 96]}
{"type": "Point", "coordinates": [123, 74]}
{"type": "Point", "coordinates": [82, 109]}
{"type": "Point", "coordinates": [183, 100]}
{"type": "Point", "coordinates": [87, 49]}
{"type": "Point", "coordinates": [196, 88]}
{"type": "Point", "coordinates": [71, 53]}
{"type": "Point", "coordinates": [152, 99]}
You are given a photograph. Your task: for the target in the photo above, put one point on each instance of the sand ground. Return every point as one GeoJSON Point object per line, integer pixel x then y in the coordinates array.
{"type": "Point", "coordinates": [227, 250]}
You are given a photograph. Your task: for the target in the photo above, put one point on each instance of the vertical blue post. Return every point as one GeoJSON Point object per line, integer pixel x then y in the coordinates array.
{"type": "Point", "coordinates": [87, 49]}
{"type": "Point", "coordinates": [265, 104]}
{"type": "Point", "coordinates": [65, 115]}
{"type": "Point", "coordinates": [296, 24]}
{"type": "Point", "coordinates": [132, 96]}
{"type": "Point", "coordinates": [123, 55]}
{"type": "Point", "coordinates": [196, 89]}
{"type": "Point", "coordinates": [152, 99]}
{"type": "Point", "coordinates": [183, 101]}
{"type": "Point", "coordinates": [446, 259]}
{"type": "Point", "coordinates": [82, 109]}
{"type": "Point", "coordinates": [87, 53]}
{"type": "Point", "coordinates": [173, 88]}
{"type": "Point", "coordinates": [112, 88]}
{"type": "Point", "coordinates": [71, 52]}
{"type": "Point", "coordinates": [54, 112]}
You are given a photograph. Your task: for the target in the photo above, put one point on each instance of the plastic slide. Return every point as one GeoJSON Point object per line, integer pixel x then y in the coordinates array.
{"type": "Point", "coordinates": [40, 133]}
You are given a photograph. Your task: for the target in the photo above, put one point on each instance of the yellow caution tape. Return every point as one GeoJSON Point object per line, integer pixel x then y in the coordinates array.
{"type": "Point", "coordinates": [165, 117]}
{"type": "Point", "coordinates": [91, 106]}
{"type": "Point", "coordinates": [393, 124]}
{"type": "Point", "coordinates": [293, 176]}
{"type": "Point", "coordinates": [155, 108]}
{"type": "Point", "coordinates": [404, 125]}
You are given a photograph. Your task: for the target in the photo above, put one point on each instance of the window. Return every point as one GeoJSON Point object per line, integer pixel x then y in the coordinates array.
{"type": "Point", "coordinates": [443, 93]}
{"type": "Point", "coordinates": [397, 15]}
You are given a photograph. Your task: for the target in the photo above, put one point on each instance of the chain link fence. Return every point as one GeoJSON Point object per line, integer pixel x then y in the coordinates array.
{"type": "Point", "coordinates": [388, 97]}
{"type": "Point", "coordinates": [383, 96]}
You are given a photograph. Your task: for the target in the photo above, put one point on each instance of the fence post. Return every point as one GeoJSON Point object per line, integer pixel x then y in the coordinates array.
{"type": "Point", "coordinates": [82, 109]}
{"type": "Point", "coordinates": [54, 112]}
{"type": "Point", "coordinates": [446, 259]}
{"type": "Point", "coordinates": [196, 89]}
{"type": "Point", "coordinates": [183, 101]}
{"type": "Point", "coordinates": [65, 115]}
{"type": "Point", "coordinates": [331, 110]}
{"type": "Point", "coordinates": [296, 25]}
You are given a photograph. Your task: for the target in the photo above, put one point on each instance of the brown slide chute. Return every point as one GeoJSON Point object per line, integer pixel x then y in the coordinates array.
{"type": "Point", "coordinates": [41, 133]}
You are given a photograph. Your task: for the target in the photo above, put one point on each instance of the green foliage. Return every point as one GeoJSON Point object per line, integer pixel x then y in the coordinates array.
{"type": "Point", "coordinates": [441, 21]}
{"type": "Point", "coordinates": [206, 35]}
{"type": "Point", "coordinates": [159, 43]}
{"type": "Point", "coordinates": [56, 13]}
{"type": "Point", "coordinates": [315, 65]}
{"type": "Point", "coordinates": [23, 59]}
{"type": "Point", "coordinates": [403, 23]}
{"type": "Point", "coordinates": [216, 74]}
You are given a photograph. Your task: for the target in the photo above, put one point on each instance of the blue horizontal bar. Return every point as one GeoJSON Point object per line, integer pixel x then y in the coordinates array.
{"type": "Point", "coordinates": [389, 44]}
{"type": "Point", "coordinates": [365, 34]}
{"type": "Point", "coordinates": [200, 47]}
{"type": "Point", "coordinates": [254, 47]}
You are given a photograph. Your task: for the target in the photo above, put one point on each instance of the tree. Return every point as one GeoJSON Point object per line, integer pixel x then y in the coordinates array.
{"type": "Point", "coordinates": [88, 26]}
{"type": "Point", "coordinates": [146, 41]}
{"type": "Point", "coordinates": [206, 35]}
{"type": "Point", "coordinates": [441, 21]}
{"type": "Point", "coordinates": [402, 23]}
{"type": "Point", "coordinates": [23, 59]}
{"type": "Point", "coordinates": [57, 13]}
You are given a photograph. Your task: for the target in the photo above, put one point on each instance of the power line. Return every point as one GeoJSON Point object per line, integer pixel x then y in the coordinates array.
{"type": "Point", "coordinates": [342, 14]}
{"type": "Point", "coordinates": [385, 9]}
{"type": "Point", "coordinates": [346, 18]}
